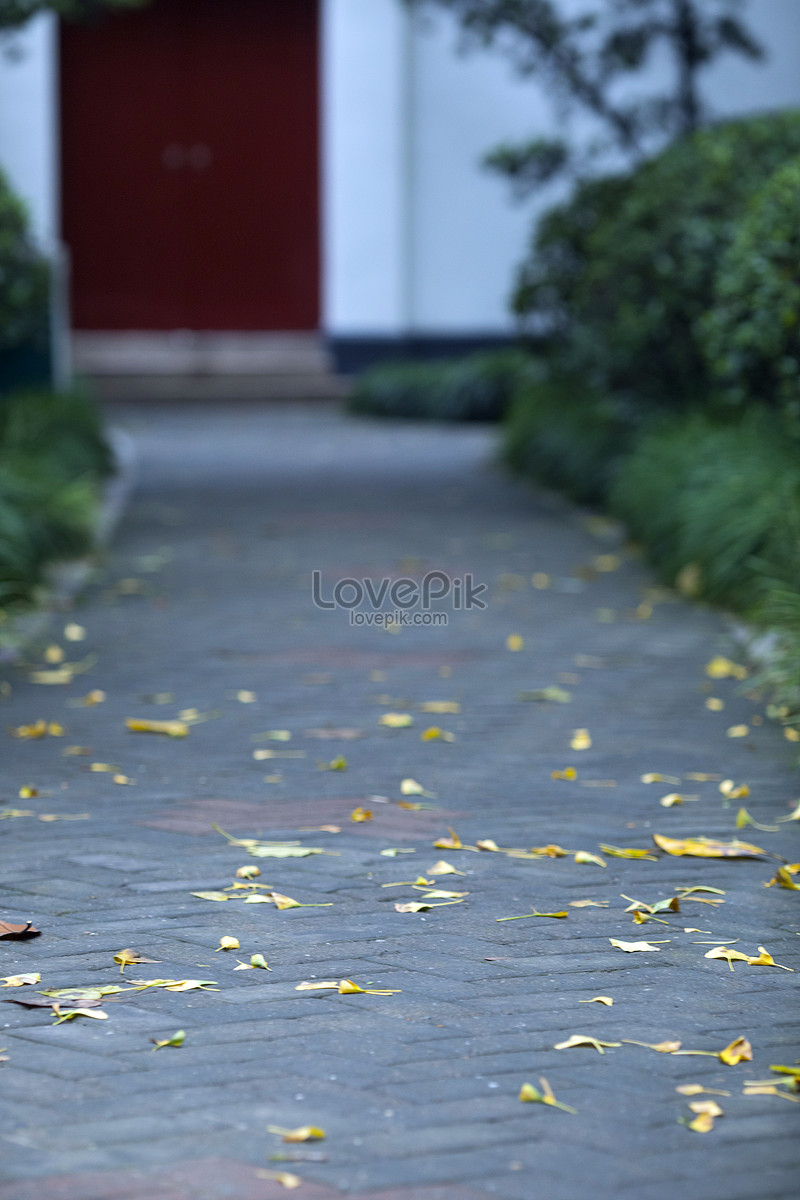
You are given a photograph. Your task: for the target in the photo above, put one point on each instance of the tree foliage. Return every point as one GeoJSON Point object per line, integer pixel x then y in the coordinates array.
{"type": "Point", "coordinates": [583, 57]}
{"type": "Point", "coordinates": [14, 13]}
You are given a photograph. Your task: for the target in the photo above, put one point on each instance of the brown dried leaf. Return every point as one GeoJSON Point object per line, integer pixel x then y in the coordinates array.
{"type": "Point", "coordinates": [9, 930]}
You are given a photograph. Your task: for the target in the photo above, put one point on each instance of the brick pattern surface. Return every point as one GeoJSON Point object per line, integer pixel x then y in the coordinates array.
{"type": "Point", "coordinates": [417, 1091]}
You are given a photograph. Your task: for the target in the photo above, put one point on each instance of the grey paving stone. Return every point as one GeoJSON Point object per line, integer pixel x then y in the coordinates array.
{"type": "Point", "coordinates": [417, 1091]}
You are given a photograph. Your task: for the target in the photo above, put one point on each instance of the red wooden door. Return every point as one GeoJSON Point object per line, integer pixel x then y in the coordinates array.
{"type": "Point", "coordinates": [190, 166]}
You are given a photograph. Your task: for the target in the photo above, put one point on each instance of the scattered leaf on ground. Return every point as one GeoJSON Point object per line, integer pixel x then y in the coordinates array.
{"type": "Point", "coordinates": [173, 729]}
{"type": "Point", "coordinates": [360, 814]}
{"type": "Point", "coordinates": [631, 947]}
{"type": "Point", "coordinates": [626, 852]}
{"type": "Point", "coordinates": [435, 734]}
{"type": "Point", "coordinates": [69, 1014]}
{"type": "Point", "coordinates": [705, 847]}
{"type": "Point", "coordinates": [444, 868]}
{"type": "Point", "coordinates": [177, 1039]}
{"type": "Point", "coordinates": [783, 877]}
{"type": "Point", "coordinates": [11, 930]}
{"type": "Point", "coordinates": [607, 1000]}
{"type": "Point", "coordinates": [127, 958]}
{"type": "Point", "coordinates": [410, 787]}
{"type": "Point", "coordinates": [551, 694]}
{"type": "Point", "coordinates": [453, 842]}
{"type": "Point", "coordinates": [227, 943]}
{"type": "Point", "coordinates": [589, 903]}
{"type": "Point", "coordinates": [581, 740]}
{"type": "Point", "coordinates": [284, 1178]}
{"type": "Point", "coordinates": [722, 668]}
{"type": "Point", "coordinates": [656, 777]}
{"type": "Point", "coordinates": [743, 818]}
{"type": "Point", "coordinates": [440, 706]}
{"type": "Point", "coordinates": [514, 642]}
{"type": "Point", "coordinates": [396, 720]}
{"type": "Point", "coordinates": [697, 1089]}
{"type": "Point", "coordinates": [211, 895]}
{"type": "Point", "coordinates": [306, 1133]}
{"type": "Point", "coordinates": [14, 981]}
{"type": "Point", "coordinates": [661, 1047]}
{"type": "Point", "coordinates": [568, 773]}
{"type": "Point", "coordinates": [534, 913]}
{"type": "Point", "coordinates": [584, 856]}
{"type": "Point", "coordinates": [531, 1095]}
{"type": "Point", "coordinates": [580, 1039]}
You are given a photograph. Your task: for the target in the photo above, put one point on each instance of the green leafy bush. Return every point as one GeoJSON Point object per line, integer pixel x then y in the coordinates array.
{"type": "Point", "coordinates": [719, 497]}
{"type": "Point", "coordinates": [476, 388]}
{"type": "Point", "coordinates": [567, 437]}
{"type": "Point", "coordinates": [623, 272]}
{"type": "Point", "coordinates": [23, 276]}
{"type": "Point", "coordinates": [752, 334]}
{"type": "Point", "coordinates": [52, 457]}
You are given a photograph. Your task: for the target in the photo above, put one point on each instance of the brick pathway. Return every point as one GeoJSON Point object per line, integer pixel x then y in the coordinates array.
{"type": "Point", "coordinates": [418, 1090]}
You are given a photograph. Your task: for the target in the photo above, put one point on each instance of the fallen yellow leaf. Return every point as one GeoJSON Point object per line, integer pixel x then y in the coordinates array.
{"type": "Point", "coordinates": [583, 856]}
{"type": "Point", "coordinates": [395, 720]}
{"type": "Point", "coordinates": [581, 740]}
{"type": "Point", "coordinates": [440, 706]}
{"type": "Point", "coordinates": [177, 1039]}
{"type": "Point", "coordinates": [127, 958]}
{"type": "Point", "coordinates": [453, 842]}
{"type": "Point", "coordinates": [598, 1000]}
{"type": "Point", "coordinates": [528, 1094]}
{"type": "Point", "coordinates": [306, 1133]}
{"type": "Point", "coordinates": [220, 896]}
{"type": "Point", "coordinates": [661, 1047]}
{"type": "Point", "coordinates": [629, 852]}
{"type": "Point", "coordinates": [783, 878]}
{"type": "Point", "coordinates": [655, 777]}
{"type": "Point", "coordinates": [703, 1123]}
{"type": "Point", "coordinates": [722, 668]}
{"type": "Point", "coordinates": [730, 790]}
{"type": "Point", "coordinates": [514, 642]}
{"type": "Point", "coordinates": [360, 814]}
{"type": "Point", "coordinates": [410, 787]}
{"type": "Point", "coordinates": [744, 818]}
{"type": "Point", "coordinates": [173, 729]}
{"type": "Point", "coordinates": [535, 913]}
{"type": "Point", "coordinates": [444, 868]}
{"type": "Point", "coordinates": [227, 943]}
{"type": "Point", "coordinates": [568, 773]}
{"type": "Point", "coordinates": [14, 981]}
{"type": "Point", "coordinates": [284, 1178]}
{"type": "Point", "coordinates": [738, 731]}
{"type": "Point", "coordinates": [579, 1039]}
{"type": "Point", "coordinates": [589, 903]}
{"type": "Point", "coordinates": [705, 847]}
{"type": "Point", "coordinates": [697, 1089]}
{"type": "Point", "coordinates": [435, 734]}
{"type": "Point", "coordinates": [631, 947]}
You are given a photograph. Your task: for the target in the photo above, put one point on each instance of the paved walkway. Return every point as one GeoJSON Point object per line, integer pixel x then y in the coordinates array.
{"type": "Point", "coordinates": [207, 597]}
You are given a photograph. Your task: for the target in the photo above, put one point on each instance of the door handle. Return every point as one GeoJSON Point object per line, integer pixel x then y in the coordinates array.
{"type": "Point", "coordinates": [173, 156]}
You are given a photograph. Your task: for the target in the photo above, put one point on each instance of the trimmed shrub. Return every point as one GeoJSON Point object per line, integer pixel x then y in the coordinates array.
{"type": "Point", "coordinates": [567, 437]}
{"type": "Point", "coordinates": [721, 498]}
{"type": "Point", "coordinates": [752, 334]}
{"type": "Point", "coordinates": [623, 272]}
{"type": "Point", "coordinates": [23, 276]}
{"type": "Point", "coordinates": [52, 457]}
{"type": "Point", "coordinates": [476, 388]}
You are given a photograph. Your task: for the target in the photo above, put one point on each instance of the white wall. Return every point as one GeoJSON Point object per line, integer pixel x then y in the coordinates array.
{"type": "Point", "coordinates": [28, 121]}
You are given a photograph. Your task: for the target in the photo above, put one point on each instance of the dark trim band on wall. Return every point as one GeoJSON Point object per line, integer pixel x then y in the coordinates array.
{"type": "Point", "coordinates": [354, 354]}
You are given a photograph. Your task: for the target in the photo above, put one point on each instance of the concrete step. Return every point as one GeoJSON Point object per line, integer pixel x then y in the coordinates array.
{"type": "Point", "coordinates": [187, 364]}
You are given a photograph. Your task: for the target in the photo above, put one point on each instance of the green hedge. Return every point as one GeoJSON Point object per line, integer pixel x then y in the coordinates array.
{"type": "Point", "coordinates": [624, 271]}
{"type": "Point", "coordinates": [23, 276]}
{"type": "Point", "coordinates": [752, 333]}
{"type": "Point", "coordinates": [721, 497]}
{"type": "Point", "coordinates": [475, 388]}
{"type": "Point", "coordinates": [53, 456]}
